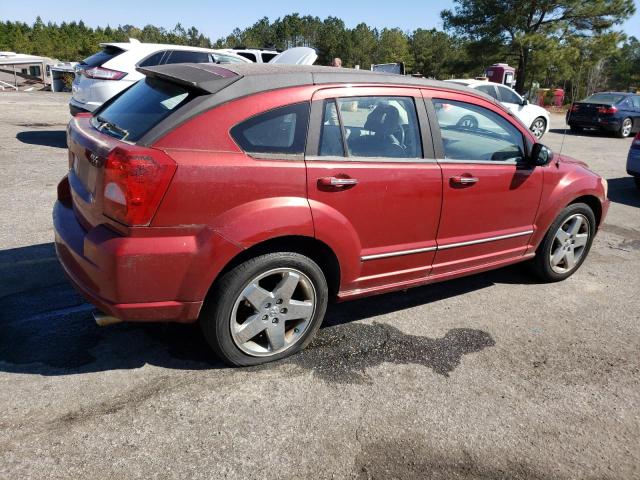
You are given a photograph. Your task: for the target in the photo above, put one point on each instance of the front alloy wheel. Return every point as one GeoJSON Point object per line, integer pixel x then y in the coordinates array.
{"type": "Point", "coordinates": [566, 244]}
{"type": "Point", "coordinates": [538, 127]}
{"type": "Point", "coordinates": [569, 244]}
{"type": "Point", "coordinates": [625, 129]}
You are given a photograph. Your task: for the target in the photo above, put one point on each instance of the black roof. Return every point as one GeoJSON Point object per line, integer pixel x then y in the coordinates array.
{"type": "Point", "coordinates": [211, 78]}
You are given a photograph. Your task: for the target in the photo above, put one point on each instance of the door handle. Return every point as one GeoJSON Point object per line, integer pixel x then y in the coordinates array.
{"type": "Point", "coordinates": [463, 180]}
{"type": "Point", "coordinates": [336, 182]}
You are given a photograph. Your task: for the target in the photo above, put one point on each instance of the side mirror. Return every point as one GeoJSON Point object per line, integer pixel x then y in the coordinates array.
{"type": "Point", "coordinates": [525, 102]}
{"type": "Point", "coordinates": [541, 155]}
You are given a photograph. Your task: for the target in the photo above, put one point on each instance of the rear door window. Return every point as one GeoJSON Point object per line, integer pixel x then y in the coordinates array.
{"type": "Point", "coordinates": [267, 56]}
{"type": "Point", "coordinates": [489, 90]}
{"type": "Point", "coordinates": [248, 55]}
{"type": "Point", "coordinates": [331, 140]}
{"type": "Point", "coordinates": [140, 108]}
{"type": "Point", "coordinates": [282, 130]}
{"type": "Point", "coordinates": [636, 102]}
{"type": "Point", "coordinates": [102, 57]}
{"type": "Point", "coordinates": [385, 127]}
{"type": "Point", "coordinates": [184, 56]}
{"type": "Point", "coordinates": [471, 132]}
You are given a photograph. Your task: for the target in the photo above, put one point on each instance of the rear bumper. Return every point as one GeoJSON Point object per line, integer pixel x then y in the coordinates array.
{"type": "Point", "coordinates": [133, 279]}
{"type": "Point", "coordinates": [608, 124]}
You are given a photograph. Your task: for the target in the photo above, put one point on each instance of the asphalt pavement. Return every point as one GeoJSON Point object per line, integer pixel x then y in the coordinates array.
{"type": "Point", "coordinates": [493, 376]}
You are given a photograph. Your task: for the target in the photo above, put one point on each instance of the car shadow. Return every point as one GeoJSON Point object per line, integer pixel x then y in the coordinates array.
{"type": "Point", "coordinates": [46, 328]}
{"type": "Point", "coordinates": [45, 138]}
{"type": "Point", "coordinates": [623, 190]}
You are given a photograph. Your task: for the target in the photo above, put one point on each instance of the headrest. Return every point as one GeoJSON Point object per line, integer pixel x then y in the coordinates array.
{"type": "Point", "coordinates": [384, 120]}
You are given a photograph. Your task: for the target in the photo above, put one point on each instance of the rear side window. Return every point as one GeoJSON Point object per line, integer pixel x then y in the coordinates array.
{"type": "Point", "coordinates": [489, 90]}
{"type": "Point", "coordinates": [219, 58]}
{"type": "Point", "coordinates": [140, 108]}
{"type": "Point", "coordinates": [102, 57]}
{"type": "Point", "coordinates": [267, 56]}
{"type": "Point", "coordinates": [282, 130]}
{"type": "Point", "coordinates": [153, 60]}
{"type": "Point", "coordinates": [248, 55]}
{"type": "Point", "coordinates": [636, 101]}
{"type": "Point", "coordinates": [183, 56]}
{"type": "Point", "coordinates": [508, 96]}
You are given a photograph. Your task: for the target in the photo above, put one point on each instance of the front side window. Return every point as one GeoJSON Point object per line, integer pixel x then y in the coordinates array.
{"type": "Point", "coordinates": [471, 132]}
{"type": "Point", "coordinates": [282, 130]}
{"type": "Point", "coordinates": [509, 96]}
{"type": "Point", "coordinates": [373, 127]}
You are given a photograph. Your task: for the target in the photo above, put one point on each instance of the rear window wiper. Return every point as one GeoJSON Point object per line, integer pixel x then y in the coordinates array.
{"type": "Point", "coordinates": [112, 127]}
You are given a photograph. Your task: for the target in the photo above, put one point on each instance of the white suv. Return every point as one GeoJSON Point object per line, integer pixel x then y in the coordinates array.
{"type": "Point", "coordinates": [111, 70]}
{"type": "Point", "coordinates": [533, 116]}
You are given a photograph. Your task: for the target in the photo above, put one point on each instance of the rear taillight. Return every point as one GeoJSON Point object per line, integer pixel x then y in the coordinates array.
{"type": "Point", "coordinates": [100, 73]}
{"type": "Point", "coordinates": [575, 108]}
{"type": "Point", "coordinates": [636, 140]}
{"type": "Point", "coordinates": [607, 110]}
{"type": "Point", "coordinates": [135, 180]}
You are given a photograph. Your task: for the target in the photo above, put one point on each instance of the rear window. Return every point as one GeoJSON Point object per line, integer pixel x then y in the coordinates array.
{"type": "Point", "coordinates": [183, 56]}
{"type": "Point", "coordinates": [606, 98]}
{"type": "Point", "coordinates": [140, 108]}
{"type": "Point", "coordinates": [102, 57]}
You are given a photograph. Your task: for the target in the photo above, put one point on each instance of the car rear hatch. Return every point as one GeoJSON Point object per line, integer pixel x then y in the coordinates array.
{"type": "Point", "coordinates": [115, 179]}
{"type": "Point", "coordinates": [91, 68]}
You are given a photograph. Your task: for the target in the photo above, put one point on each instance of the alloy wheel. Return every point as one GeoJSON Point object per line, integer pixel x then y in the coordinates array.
{"type": "Point", "coordinates": [273, 312]}
{"type": "Point", "coordinates": [538, 127]}
{"type": "Point", "coordinates": [570, 243]}
{"type": "Point", "coordinates": [626, 127]}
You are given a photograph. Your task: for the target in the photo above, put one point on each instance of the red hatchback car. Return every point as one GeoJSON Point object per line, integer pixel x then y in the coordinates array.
{"type": "Point", "coordinates": [247, 197]}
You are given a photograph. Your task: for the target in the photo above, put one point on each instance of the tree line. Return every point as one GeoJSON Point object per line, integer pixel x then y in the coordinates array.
{"type": "Point", "coordinates": [570, 44]}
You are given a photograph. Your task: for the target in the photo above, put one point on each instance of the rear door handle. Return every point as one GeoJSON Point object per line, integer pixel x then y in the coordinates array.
{"type": "Point", "coordinates": [463, 180]}
{"type": "Point", "coordinates": [336, 182]}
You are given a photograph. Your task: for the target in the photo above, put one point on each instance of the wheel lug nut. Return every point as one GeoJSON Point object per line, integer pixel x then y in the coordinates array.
{"type": "Point", "coordinates": [266, 317]}
{"type": "Point", "coordinates": [275, 320]}
{"type": "Point", "coordinates": [283, 310]}
{"type": "Point", "coordinates": [296, 330]}
{"type": "Point", "coordinates": [279, 301]}
{"type": "Point", "coordinates": [268, 305]}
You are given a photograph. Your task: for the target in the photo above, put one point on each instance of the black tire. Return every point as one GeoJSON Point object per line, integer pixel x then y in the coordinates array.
{"type": "Point", "coordinates": [541, 263]}
{"type": "Point", "coordinates": [637, 180]}
{"type": "Point", "coordinates": [622, 132]}
{"type": "Point", "coordinates": [575, 129]}
{"type": "Point", "coordinates": [215, 318]}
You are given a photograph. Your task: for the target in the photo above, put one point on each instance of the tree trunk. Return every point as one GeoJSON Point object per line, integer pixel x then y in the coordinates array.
{"type": "Point", "coordinates": [523, 59]}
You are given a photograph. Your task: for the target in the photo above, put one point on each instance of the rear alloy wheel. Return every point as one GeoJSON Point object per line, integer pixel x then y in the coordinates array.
{"type": "Point", "coordinates": [625, 128]}
{"type": "Point", "coordinates": [538, 127]}
{"type": "Point", "coordinates": [265, 309]}
{"type": "Point", "coordinates": [566, 244]}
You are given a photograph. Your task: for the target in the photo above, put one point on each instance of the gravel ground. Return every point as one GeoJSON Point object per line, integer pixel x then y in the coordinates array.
{"type": "Point", "coordinates": [491, 376]}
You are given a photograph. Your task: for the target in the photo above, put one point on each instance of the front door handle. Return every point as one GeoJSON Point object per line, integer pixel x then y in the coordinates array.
{"type": "Point", "coordinates": [337, 182]}
{"type": "Point", "coordinates": [463, 180]}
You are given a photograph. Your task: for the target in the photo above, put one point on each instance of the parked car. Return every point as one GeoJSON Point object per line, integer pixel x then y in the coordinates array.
{"type": "Point", "coordinates": [114, 68]}
{"type": "Point", "coordinates": [614, 112]}
{"type": "Point", "coordinates": [247, 198]}
{"type": "Point", "coordinates": [256, 55]}
{"type": "Point", "coordinates": [633, 160]}
{"type": "Point", "coordinates": [533, 116]}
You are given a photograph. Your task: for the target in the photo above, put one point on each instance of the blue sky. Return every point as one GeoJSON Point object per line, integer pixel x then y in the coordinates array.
{"type": "Point", "coordinates": [217, 19]}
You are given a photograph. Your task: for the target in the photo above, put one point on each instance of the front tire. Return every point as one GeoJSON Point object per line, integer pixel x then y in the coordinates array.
{"type": "Point", "coordinates": [265, 309]}
{"type": "Point", "coordinates": [538, 127]}
{"type": "Point", "coordinates": [566, 244]}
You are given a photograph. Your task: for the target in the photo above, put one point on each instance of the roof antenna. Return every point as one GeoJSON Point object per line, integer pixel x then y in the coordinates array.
{"type": "Point", "coordinates": [564, 135]}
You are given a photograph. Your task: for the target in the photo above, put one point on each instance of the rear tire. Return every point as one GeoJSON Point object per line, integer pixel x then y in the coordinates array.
{"type": "Point", "coordinates": [575, 129]}
{"type": "Point", "coordinates": [625, 128]}
{"type": "Point", "coordinates": [265, 309]}
{"type": "Point", "coordinates": [637, 180]}
{"type": "Point", "coordinates": [566, 244]}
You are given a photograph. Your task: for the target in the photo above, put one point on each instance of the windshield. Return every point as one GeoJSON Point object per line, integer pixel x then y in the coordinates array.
{"type": "Point", "coordinates": [607, 98]}
{"type": "Point", "coordinates": [140, 108]}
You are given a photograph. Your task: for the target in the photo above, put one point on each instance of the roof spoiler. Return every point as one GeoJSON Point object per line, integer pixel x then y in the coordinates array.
{"type": "Point", "coordinates": [205, 77]}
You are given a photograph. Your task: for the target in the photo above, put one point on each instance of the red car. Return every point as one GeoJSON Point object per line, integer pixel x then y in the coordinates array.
{"type": "Point", "coordinates": [247, 197]}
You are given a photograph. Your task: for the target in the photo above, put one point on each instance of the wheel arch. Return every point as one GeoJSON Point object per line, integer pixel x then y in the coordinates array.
{"type": "Point", "coordinates": [313, 248]}
{"type": "Point", "coordinates": [594, 204]}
